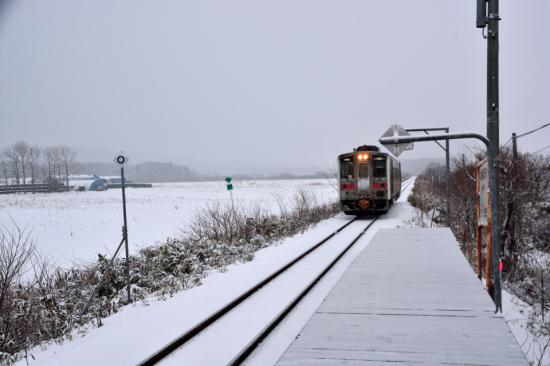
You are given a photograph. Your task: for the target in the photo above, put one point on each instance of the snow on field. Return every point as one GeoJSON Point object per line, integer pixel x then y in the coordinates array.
{"type": "Point", "coordinates": [74, 226]}
{"type": "Point", "coordinates": [137, 331]}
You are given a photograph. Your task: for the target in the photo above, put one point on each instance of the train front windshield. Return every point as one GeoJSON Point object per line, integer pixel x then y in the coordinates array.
{"type": "Point", "coordinates": [346, 168]}
{"type": "Point", "coordinates": [379, 167]}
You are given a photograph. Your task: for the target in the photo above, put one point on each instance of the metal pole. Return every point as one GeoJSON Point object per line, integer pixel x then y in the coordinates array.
{"type": "Point", "coordinates": [493, 136]}
{"type": "Point", "coordinates": [232, 204]}
{"type": "Point", "coordinates": [478, 228]}
{"type": "Point", "coordinates": [105, 273]}
{"type": "Point", "coordinates": [447, 181]}
{"type": "Point", "coordinates": [514, 146]}
{"type": "Point", "coordinates": [125, 234]}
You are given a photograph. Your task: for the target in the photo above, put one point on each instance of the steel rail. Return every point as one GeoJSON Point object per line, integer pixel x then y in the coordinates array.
{"type": "Point", "coordinates": [252, 345]}
{"type": "Point", "coordinates": [198, 328]}
{"type": "Point", "coordinates": [409, 182]}
{"type": "Point", "coordinates": [245, 352]}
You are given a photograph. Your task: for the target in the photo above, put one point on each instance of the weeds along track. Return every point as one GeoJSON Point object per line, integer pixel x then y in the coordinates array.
{"type": "Point", "coordinates": [234, 323]}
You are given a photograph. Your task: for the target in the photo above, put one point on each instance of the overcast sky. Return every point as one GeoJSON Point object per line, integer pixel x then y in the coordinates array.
{"type": "Point", "coordinates": [235, 85]}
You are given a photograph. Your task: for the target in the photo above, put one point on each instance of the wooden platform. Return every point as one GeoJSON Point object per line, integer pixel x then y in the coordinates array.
{"type": "Point", "coordinates": [409, 298]}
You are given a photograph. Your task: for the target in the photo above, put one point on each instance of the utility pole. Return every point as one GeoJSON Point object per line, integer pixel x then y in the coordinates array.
{"type": "Point", "coordinates": [447, 181]}
{"type": "Point", "coordinates": [514, 146]}
{"type": "Point", "coordinates": [493, 135]}
{"type": "Point", "coordinates": [488, 14]}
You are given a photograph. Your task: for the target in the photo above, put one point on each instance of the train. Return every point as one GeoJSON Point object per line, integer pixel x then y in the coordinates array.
{"type": "Point", "coordinates": [369, 181]}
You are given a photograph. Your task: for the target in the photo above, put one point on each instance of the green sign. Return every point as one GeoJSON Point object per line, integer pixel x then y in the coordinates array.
{"type": "Point", "coordinates": [229, 186]}
{"type": "Point", "coordinates": [228, 180]}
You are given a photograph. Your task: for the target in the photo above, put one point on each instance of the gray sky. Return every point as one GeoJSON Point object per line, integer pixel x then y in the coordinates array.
{"type": "Point", "coordinates": [236, 85]}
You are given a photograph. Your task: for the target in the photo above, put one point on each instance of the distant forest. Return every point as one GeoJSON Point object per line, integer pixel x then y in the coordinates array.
{"type": "Point", "coordinates": [22, 163]}
{"type": "Point", "coordinates": [155, 172]}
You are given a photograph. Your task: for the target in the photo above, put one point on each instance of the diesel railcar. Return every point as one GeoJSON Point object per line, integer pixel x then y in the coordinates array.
{"type": "Point", "coordinates": [369, 181]}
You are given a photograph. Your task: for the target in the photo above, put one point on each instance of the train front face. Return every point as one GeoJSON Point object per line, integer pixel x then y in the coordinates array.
{"type": "Point", "coordinates": [363, 182]}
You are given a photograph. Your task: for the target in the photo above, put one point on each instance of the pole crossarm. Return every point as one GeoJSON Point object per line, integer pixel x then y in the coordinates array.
{"type": "Point", "coordinates": [436, 137]}
{"type": "Point", "coordinates": [426, 131]}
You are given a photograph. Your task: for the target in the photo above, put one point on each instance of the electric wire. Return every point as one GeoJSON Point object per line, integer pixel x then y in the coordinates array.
{"type": "Point", "coordinates": [538, 151]}
{"type": "Point", "coordinates": [525, 134]}
{"type": "Point", "coordinates": [530, 132]}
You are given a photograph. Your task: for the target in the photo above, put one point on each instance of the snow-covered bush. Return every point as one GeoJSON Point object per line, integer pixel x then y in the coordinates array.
{"type": "Point", "coordinates": [50, 306]}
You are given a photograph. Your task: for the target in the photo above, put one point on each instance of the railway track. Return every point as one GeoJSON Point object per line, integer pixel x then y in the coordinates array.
{"type": "Point", "coordinates": [170, 351]}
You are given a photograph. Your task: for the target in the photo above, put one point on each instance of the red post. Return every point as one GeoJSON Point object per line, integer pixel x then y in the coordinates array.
{"type": "Point", "coordinates": [479, 254]}
{"type": "Point", "coordinates": [488, 257]}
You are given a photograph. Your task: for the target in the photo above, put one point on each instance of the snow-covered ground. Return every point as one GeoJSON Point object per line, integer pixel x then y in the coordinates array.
{"type": "Point", "coordinates": [516, 313]}
{"type": "Point", "coordinates": [139, 330]}
{"type": "Point", "coordinates": [74, 226]}
{"type": "Point", "coordinates": [132, 334]}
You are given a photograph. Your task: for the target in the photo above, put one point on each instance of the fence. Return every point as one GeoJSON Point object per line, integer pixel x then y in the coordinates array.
{"type": "Point", "coordinates": [33, 188]}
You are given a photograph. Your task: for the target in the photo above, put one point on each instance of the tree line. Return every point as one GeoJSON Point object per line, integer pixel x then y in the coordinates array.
{"type": "Point", "coordinates": [24, 165]}
{"type": "Point", "coordinates": [21, 162]}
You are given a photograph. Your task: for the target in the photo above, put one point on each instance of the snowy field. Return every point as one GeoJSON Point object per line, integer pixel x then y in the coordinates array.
{"type": "Point", "coordinates": [72, 227]}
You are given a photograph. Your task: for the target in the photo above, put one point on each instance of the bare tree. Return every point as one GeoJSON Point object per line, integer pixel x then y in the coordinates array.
{"type": "Point", "coordinates": [22, 149]}
{"type": "Point", "coordinates": [58, 163]}
{"type": "Point", "coordinates": [4, 168]}
{"type": "Point", "coordinates": [34, 155]}
{"type": "Point", "coordinates": [16, 250]}
{"type": "Point", "coordinates": [67, 156]}
{"type": "Point", "coordinates": [48, 159]}
{"type": "Point", "coordinates": [13, 157]}
{"type": "Point", "coordinates": [53, 161]}
{"type": "Point", "coordinates": [331, 176]}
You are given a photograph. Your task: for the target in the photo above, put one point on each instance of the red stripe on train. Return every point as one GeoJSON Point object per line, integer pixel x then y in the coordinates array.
{"type": "Point", "coordinates": [347, 186]}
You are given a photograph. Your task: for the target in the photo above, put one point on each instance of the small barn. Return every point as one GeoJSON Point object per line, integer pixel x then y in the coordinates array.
{"type": "Point", "coordinates": [87, 183]}
{"type": "Point", "coordinates": [116, 182]}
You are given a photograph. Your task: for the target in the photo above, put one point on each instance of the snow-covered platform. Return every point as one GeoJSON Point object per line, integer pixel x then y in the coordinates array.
{"type": "Point", "coordinates": [410, 297]}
